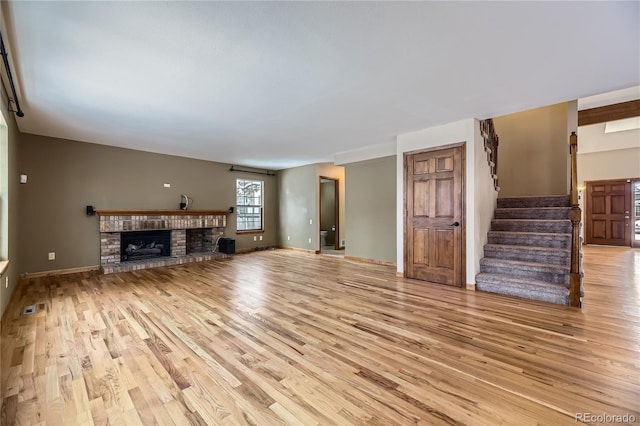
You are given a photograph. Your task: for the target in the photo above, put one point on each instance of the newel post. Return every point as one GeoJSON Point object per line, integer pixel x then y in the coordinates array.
{"type": "Point", "coordinates": [575, 277]}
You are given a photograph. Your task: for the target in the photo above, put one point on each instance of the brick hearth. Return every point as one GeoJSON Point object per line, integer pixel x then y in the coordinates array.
{"type": "Point", "coordinates": [193, 234]}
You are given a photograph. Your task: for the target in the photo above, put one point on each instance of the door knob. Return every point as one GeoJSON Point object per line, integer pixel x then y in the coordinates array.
{"type": "Point", "coordinates": [455, 224]}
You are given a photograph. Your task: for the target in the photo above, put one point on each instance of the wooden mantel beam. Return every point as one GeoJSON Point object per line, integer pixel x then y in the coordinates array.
{"type": "Point", "coordinates": [108, 212]}
{"type": "Point", "coordinates": [606, 113]}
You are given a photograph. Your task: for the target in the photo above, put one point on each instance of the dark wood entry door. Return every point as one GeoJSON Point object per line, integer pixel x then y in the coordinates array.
{"type": "Point", "coordinates": [434, 226]}
{"type": "Point", "coordinates": [608, 216]}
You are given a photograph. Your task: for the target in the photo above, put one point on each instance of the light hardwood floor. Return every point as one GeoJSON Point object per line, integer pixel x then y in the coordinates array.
{"type": "Point", "coordinates": [282, 337]}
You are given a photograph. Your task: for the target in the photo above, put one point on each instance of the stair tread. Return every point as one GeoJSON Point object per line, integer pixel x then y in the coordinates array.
{"type": "Point", "coordinates": [528, 248]}
{"type": "Point", "coordinates": [533, 208]}
{"type": "Point", "coordinates": [536, 213]}
{"type": "Point", "coordinates": [532, 225]}
{"type": "Point", "coordinates": [531, 197]}
{"type": "Point", "coordinates": [520, 263]}
{"type": "Point", "coordinates": [506, 279]}
{"type": "Point", "coordinates": [532, 220]}
{"type": "Point", "coordinates": [531, 234]}
{"type": "Point", "coordinates": [535, 201]}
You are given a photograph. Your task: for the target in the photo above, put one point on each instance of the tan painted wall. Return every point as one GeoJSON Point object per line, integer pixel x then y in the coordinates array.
{"type": "Point", "coordinates": [298, 202]}
{"type": "Point", "coordinates": [10, 214]}
{"type": "Point", "coordinates": [618, 164]}
{"type": "Point", "coordinates": [371, 209]}
{"type": "Point", "coordinates": [533, 151]}
{"type": "Point", "coordinates": [299, 190]}
{"type": "Point", "coordinates": [65, 176]}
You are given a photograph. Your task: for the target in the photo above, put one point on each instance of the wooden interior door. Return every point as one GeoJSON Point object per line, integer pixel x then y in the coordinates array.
{"type": "Point", "coordinates": [434, 226]}
{"type": "Point", "coordinates": [608, 215]}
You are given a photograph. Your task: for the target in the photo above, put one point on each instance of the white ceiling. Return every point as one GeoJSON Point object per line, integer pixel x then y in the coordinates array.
{"type": "Point", "coordinates": [609, 98]}
{"type": "Point", "coordinates": [281, 84]}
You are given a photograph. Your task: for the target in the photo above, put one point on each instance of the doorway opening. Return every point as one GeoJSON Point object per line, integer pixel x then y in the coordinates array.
{"type": "Point", "coordinates": [329, 217]}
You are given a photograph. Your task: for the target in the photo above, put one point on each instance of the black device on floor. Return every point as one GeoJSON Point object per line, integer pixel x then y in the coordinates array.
{"type": "Point", "coordinates": [227, 245]}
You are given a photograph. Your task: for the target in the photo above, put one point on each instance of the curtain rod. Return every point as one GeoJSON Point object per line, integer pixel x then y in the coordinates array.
{"type": "Point", "coordinates": [5, 57]}
{"type": "Point", "coordinates": [267, 173]}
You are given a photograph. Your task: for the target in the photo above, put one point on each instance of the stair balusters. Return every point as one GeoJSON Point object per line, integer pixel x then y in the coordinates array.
{"type": "Point", "coordinates": [575, 281]}
{"type": "Point", "coordinates": [491, 148]}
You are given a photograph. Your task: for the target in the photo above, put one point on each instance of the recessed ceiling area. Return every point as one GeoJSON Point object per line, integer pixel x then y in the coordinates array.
{"type": "Point", "coordinates": [281, 84]}
{"type": "Point", "coordinates": [610, 135]}
{"type": "Point", "coordinates": [632, 123]}
{"type": "Point", "coordinates": [593, 138]}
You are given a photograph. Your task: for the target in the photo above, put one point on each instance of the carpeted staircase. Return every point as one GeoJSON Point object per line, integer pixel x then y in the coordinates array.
{"type": "Point", "coordinates": [529, 250]}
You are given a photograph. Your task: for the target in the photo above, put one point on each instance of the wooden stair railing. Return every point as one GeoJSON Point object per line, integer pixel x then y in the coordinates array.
{"type": "Point", "coordinates": [490, 137]}
{"type": "Point", "coordinates": [575, 277]}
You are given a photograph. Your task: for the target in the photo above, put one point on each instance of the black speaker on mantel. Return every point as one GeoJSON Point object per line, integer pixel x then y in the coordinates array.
{"type": "Point", "coordinates": [227, 245]}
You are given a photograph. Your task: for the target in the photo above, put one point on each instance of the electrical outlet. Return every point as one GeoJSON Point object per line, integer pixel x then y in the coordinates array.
{"type": "Point", "coordinates": [6, 282]}
{"type": "Point", "coordinates": [309, 240]}
{"type": "Point", "coordinates": [310, 221]}
{"type": "Point", "coordinates": [260, 237]}
{"type": "Point", "coordinates": [288, 237]}
{"type": "Point", "coordinates": [52, 255]}
{"type": "Point", "coordinates": [167, 185]}
{"type": "Point", "coordinates": [255, 238]}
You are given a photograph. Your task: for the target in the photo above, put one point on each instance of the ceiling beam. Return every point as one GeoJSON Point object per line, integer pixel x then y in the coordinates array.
{"type": "Point", "coordinates": [609, 113]}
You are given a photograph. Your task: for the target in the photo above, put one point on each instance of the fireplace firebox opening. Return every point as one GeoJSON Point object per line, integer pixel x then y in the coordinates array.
{"type": "Point", "coordinates": [139, 245]}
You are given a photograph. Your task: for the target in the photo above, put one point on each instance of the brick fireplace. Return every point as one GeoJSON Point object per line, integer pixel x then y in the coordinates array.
{"type": "Point", "coordinates": [192, 237]}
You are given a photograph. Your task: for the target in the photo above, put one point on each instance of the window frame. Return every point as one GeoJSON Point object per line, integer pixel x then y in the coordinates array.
{"type": "Point", "coordinates": [239, 207]}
